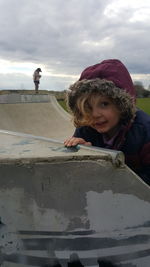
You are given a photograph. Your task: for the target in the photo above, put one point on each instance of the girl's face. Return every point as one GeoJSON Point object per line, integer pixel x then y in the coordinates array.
{"type": "Point", "coordinates": [105, 115]}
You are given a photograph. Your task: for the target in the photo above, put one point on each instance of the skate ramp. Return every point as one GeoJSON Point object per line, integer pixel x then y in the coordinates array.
{"type": "Point", "coordinates": [70, 206]}
{"type": "Point", "coordinates": [39, 115]}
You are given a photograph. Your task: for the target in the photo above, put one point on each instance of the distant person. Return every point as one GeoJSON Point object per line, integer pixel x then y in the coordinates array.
{"type": "Point", "coordinates": [103, 107]}
{"type": "Point", "coordinates": [36, 78]}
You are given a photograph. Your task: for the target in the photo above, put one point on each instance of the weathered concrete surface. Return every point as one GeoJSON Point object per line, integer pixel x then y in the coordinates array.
{"type": "Point", "coordinates": [39, 115]}
{"type": "Point", "coordinates": [15, 98]}
{"type": "Point", "coordinates": [58, 205]}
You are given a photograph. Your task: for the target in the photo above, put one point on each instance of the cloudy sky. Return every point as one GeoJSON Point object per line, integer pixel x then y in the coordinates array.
{"type": "Point", "coordinates": [65, 36]}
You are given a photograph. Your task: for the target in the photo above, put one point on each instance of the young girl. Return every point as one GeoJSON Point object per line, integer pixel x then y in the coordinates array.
{"type": "Point", "coordinates": [103, 107]}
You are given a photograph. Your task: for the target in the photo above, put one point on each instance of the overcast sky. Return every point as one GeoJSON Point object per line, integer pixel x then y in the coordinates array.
{"type": "Point", "coordinates": [62, 37]}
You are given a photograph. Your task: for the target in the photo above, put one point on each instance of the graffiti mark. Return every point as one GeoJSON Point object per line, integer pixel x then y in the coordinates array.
{"type": "Point", "coordinates": [66, 149]}
{"type": "Point", "coordinates": [24, 142]}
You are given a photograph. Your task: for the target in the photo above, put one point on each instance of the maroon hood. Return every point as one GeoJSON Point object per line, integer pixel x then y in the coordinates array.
{"type": "Point", "coordinates": [112, 70]}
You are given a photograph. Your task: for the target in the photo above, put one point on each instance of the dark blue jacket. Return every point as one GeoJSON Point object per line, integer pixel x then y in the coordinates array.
{"type": "Point", "coordinates": [135, 144]}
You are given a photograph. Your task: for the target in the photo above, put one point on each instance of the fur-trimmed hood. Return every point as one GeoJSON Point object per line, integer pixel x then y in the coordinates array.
{"type": "Point", "coordinates": [84, 89]}
{"type": "Point", "coordinates": [109, 78]}
{"type": "Point", "coordinates": [112, 70]}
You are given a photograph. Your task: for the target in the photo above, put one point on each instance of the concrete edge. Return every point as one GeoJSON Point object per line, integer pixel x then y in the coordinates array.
{"type": "Point", "coordinates": [60, 110]}
{"type": "Point", "coordinates": [116, 157]}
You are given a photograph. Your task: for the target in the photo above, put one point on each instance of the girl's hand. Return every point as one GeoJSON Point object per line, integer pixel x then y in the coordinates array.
{"type": "Point", "coordinates": [73, 141]}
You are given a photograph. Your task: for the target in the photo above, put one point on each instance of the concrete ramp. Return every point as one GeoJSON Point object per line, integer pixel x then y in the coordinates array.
{"type": "Point", "coordinates": [70, 207]}
{"type": "Point", "coordinates": [37, 114]}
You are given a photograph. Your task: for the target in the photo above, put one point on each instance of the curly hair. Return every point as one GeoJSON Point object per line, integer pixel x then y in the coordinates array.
{"type": "Point", "coordinates": [81, 92]}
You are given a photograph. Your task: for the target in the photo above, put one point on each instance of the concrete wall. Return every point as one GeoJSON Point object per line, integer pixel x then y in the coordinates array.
{"type": "Point", "coordinates": [14, 98]}
{"type": "Point", "coordinates": [70, 206]}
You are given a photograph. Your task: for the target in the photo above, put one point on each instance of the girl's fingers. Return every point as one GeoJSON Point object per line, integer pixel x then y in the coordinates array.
{"type": "Point", "coordinates": [88, 143]}
{"type": "Point", "coordinates": [73, 141]}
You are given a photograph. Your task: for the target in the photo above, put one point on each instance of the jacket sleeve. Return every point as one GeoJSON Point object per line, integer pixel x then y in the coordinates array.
{"type": "Point", "coordinates": [145, 159]}
{"type": "Point", "coordinates": [78, 133]}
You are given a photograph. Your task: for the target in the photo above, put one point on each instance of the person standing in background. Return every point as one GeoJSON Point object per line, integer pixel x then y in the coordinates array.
{"type": "Point", "coordinates": [36, 79]}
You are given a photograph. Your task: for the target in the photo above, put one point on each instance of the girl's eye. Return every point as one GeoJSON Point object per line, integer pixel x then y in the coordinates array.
{"type": "Point", "coordinates": [104, 104]}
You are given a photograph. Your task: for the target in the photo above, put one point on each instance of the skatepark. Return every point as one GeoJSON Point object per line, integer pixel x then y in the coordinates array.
{"type": "Point", "coordinates": [35, 114]}
{"type": "Point", "coordinates": [65, 206]}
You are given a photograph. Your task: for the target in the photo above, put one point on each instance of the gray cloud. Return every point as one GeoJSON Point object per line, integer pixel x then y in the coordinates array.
{"type": "Point", "coordinates": [67, 36]}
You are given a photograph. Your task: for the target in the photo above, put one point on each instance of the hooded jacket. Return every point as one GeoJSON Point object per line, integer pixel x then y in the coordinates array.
{"type": "Point", "coordinates": [134, 138]}
{"type": "Point", "coordinates": [36, 75]}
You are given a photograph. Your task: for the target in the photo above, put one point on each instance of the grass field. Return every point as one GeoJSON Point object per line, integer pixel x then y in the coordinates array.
{"type": "Point", "coordinates": [142, 103]}
{"type": "Point", "coordinates": [63, 104]}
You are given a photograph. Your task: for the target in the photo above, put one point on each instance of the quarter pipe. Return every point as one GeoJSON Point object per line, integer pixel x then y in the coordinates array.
{"type": "Point", "coordinates": [70, 207]}
{"type": "Point", "coordinates": [39, 115]}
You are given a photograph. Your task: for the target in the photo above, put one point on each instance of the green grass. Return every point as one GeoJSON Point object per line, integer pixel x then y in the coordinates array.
{"type": "Point", "coordinates": [142, 103]}
{"type": "Point", "coordinates": [63, 104]}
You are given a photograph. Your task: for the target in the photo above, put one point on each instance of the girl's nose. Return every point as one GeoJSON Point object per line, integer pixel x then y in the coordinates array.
{"type": "Point", "coordinates": [96, 112]}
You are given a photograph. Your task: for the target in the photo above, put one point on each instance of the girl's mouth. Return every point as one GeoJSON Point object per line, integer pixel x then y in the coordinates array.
{"type": "Point", "coordinates": [99, 124]}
